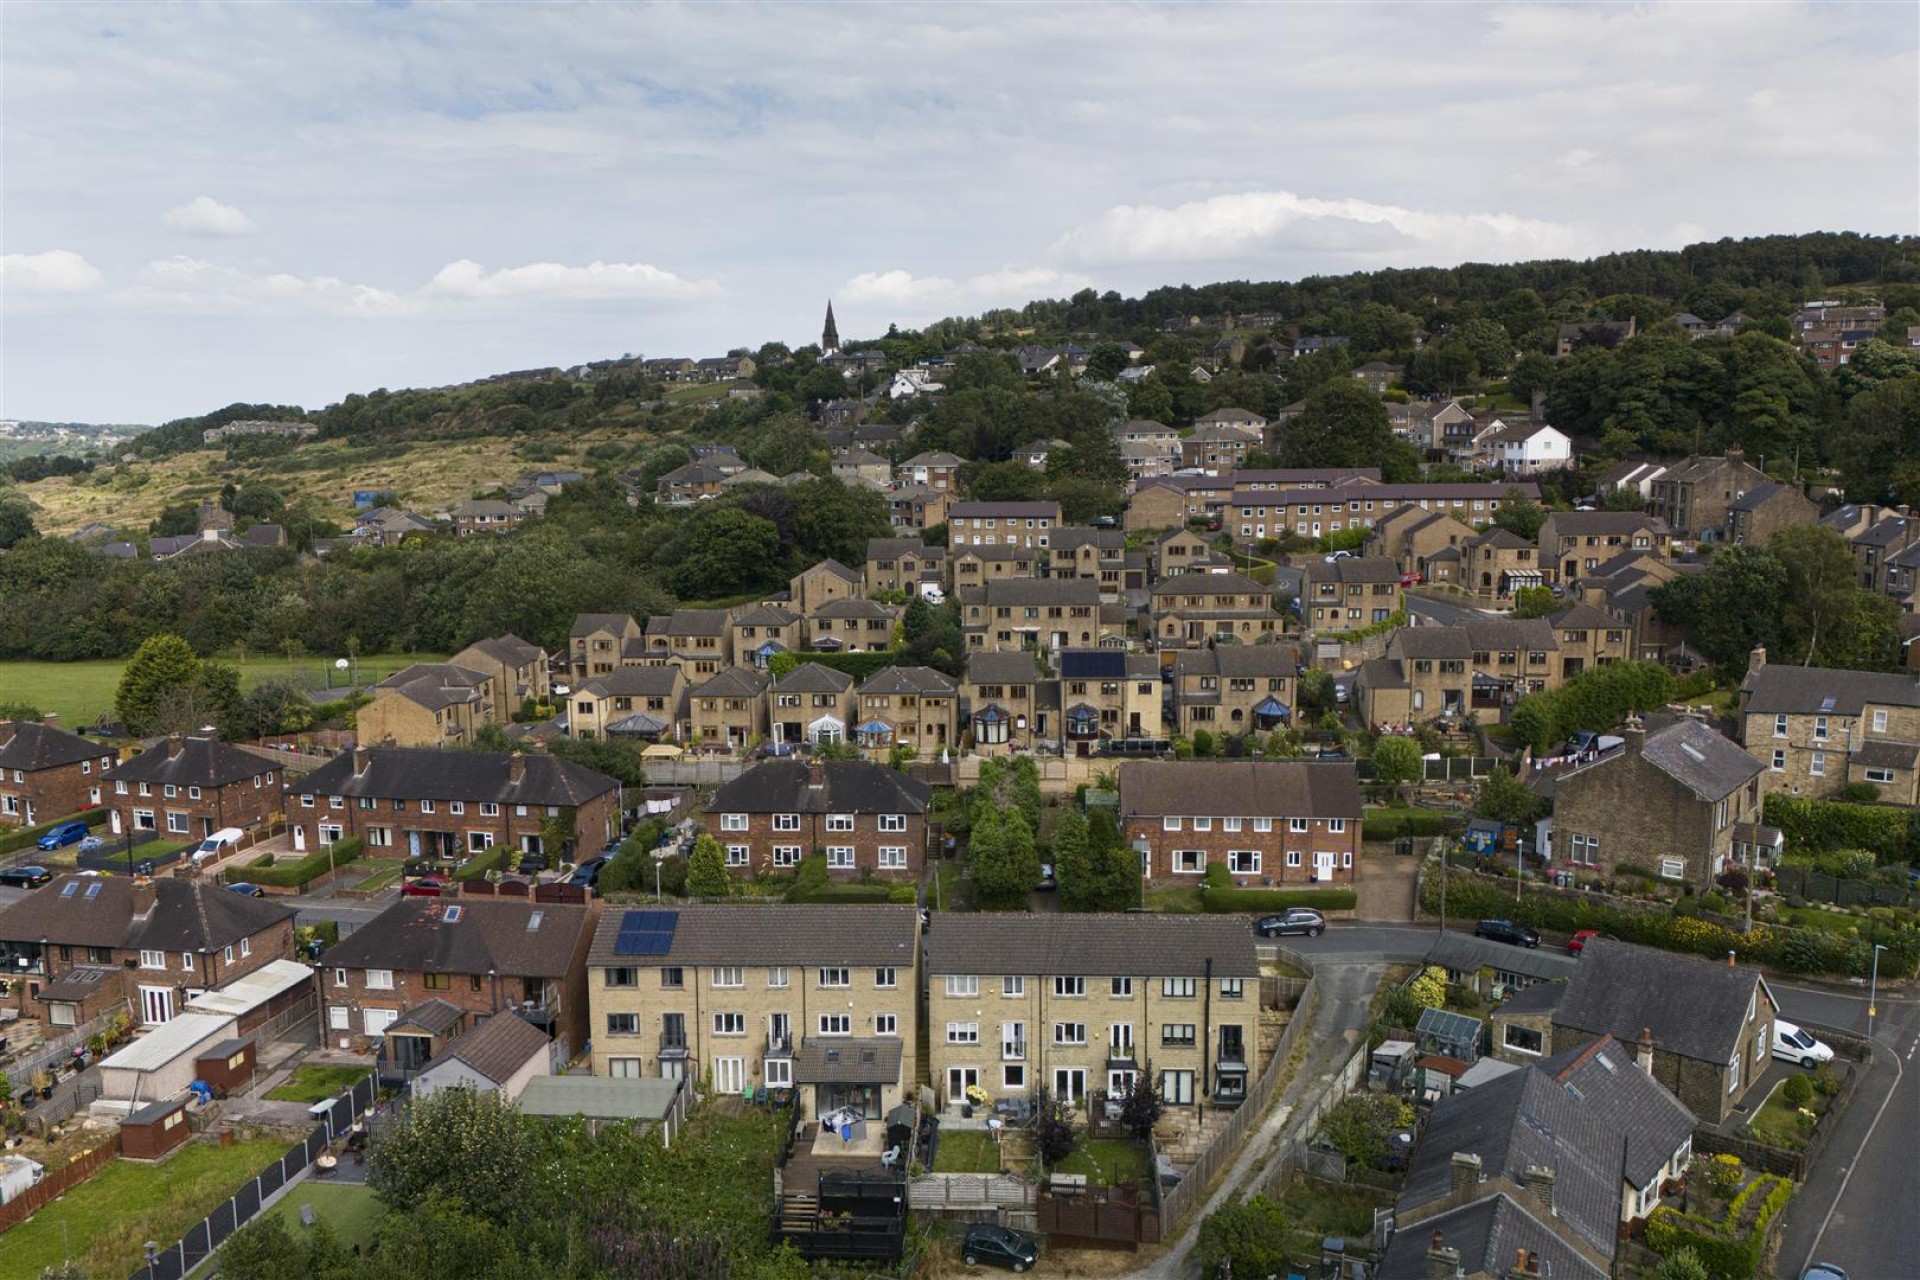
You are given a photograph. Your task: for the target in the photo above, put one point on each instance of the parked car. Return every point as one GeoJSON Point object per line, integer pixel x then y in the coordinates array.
{"type": "Point", "coordinates": [65, 834]}
{"type": "Point", "coordinates": [587, 874]}
{"type": "Point", "coordinates": [1412, 579]}
{"type": "Point", "coordinates": [424, 887]}
{"type": "Point", "coordinates": [27, 877]}
{"type": "Point", "coordinates": [1823, 1271]}
{"type": "Point", "coordinates": [1293, 920]}
{"type": "Point", "coordinates": [92, 844]}
{"type": "Point", "coordinates": [218, 845]}
{"type": "Point", "coordinates": [1506, 931]}
{"type": "Point", "coordinates": [1578, 942]}
{"type": "Point", "coordinates": [1792, 1044]}
{"type": "Point", "coordinates": [246, 890]}
{"type": "Point", "coordinates": [530, 863]}
{"type": "Point", "coordinates": [998, 1247]}
{"type": "Point", "coordinates": [1338, 555]}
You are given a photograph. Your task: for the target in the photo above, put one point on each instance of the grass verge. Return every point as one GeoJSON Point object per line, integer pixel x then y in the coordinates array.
{"type": "Point", "coordinates": [80, 691]}
{"type": "Point", "coordinates": [1107, 1161]}
{"type": "Point", "coordinates": [349, 1209]}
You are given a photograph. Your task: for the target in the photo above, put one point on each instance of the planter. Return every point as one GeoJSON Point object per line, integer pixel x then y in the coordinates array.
{"type": "Point", "coordinates": [47, 1092]}
{"type": "Point", "coordinates": [28, 1101]}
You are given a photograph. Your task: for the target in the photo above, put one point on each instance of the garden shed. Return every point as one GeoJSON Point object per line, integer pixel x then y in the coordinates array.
{"type": "Point", "coordinates": [155, 1130]}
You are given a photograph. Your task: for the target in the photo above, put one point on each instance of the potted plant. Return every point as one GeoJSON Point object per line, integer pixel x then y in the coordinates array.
{"type": "Point", "coordinates": [43, 1083]}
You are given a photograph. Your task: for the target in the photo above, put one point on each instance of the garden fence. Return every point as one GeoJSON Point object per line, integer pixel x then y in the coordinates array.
{"type": "Point", "coordinates": [58, 1052]}
{"type": "Point", "coordinates": [179, 1259]}
{"type": "Point", "coordinates": [1805, 882]}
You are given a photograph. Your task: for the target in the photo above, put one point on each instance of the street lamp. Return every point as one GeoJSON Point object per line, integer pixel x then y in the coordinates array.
{"type": "Point", "coordinates": [1873, 989]}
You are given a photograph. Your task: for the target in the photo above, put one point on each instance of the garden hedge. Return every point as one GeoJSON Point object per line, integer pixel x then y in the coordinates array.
{"type": "Point", "coordinates": [476, 868]}
{"type": "Point", "coordinates": [1227, 901]}
{"type": "Point", "coordinates": [1392, 826]}
{"type": "Point", "coordinates": [1729, 1252]}
{"type": "Point", "coordinates": [293, 875]}
{"type": "Point", "coordinates": [1817, 826]}
{"type": "Point", "coordinates": [26, 837]}
{"type": "Point", "coordinates": [860, 665]}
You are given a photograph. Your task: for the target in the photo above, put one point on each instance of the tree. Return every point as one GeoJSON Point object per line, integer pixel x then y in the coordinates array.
{"type": "Point", "coordinates": [1826, 618]}
{"type": "Point", "coordinates": [1073, 860]}
{"type": "Point", "coordinates": [178, 520]}
{"type": "Point", "coordinates": [1054, 1136]}
{"type": "Point", "coordinates": [16, 523]}
{"type": "Point", "coordinates": [1396, 762]}
{"type": "Point", "coordinates": [1731, 608]}
{"type": "Point", "coordinates": [1106, 360]}
{"type": "Point", "coordinates": [1520, 515]}
{"type": "Point", "coordinates": [707, 869]}
{"type": "Point", "coordinates": [1115, 876]}
{"type": "Point", "coordinates": [469, 1148]}
{"type": "Point", "coordinates": [265, 1250]}
{"type": "Point", "coordinates": [1504, 798]}
{"type": "Point", "coordinates": [1684, 1263]}
{"type": "Point", "coordinates": [723, 551]}
{"type": "Point", "coordinates": [1250, 1237]}
{"type": "Point", "coordinates": [1342, 425]}
{"type": "Point", "coordinates": [1143, 1106]}
{"type": "Point", "coordinates": [162, 686]}
{"type": "Point", "coordinates": [1316, 693]}
{"type": "Point", "coordinates": [1359, 1126]}
{"type": "Point", "coordinates": [616, 757]}
{"type": "Point", "coordinates": [1534, 602]}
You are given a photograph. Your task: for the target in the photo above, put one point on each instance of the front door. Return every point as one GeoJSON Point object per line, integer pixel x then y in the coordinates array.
{"type": "Point", "coordinates": [1070, 1084]}
{"type": "Point", "coordinates": [729, 1075]}
{"type": "Point", "coordinates": [673, 1068]}
{"type": "Point", "coordinates": [300, 839]}
{"type": "Point", "coordinates": [156, 1004]}
{"type": "Point", "coordinates": [1119, 1084]}
{"type": "Point", "coordinates": [206, 827]}
{"type": "Point", "coordinates": [959, 1079]}
{"type": "Point", "coordinates": [1323, 866]}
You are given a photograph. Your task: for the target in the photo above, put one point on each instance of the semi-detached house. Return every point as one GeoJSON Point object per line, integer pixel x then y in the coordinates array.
{"type": "Point", "coordinates": [1816, 729]}
{"type": "Point", "coordinates": [1271, 822]}
{"type": "Point", "coordinates": [189, 788]}
{"type": "Point", "coordinates": [47, 773]}
{"type": "Point", "coordinates": [865, 817]}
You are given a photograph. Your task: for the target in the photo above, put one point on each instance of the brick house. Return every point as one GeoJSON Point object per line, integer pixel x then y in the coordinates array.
{"type": "Point", "coordinates": [1411, 538]}
{"type": "Point", "coordinates": [603, 642]}
{"type": "Point", "coordinates": [429, 704]}
{"type": "Point", "coordinates": [1667, 803]}
{"type": "Point", "coordinates": [1003, 693]}
{"type": "Point", "coordinates": [482, 956]}
{"type": "Point", "coordinates": [47, 773]}
{"type": "Point", "coordinates": [632, 702]}
{"type": "Point", "coordinates": [406, 801]}
{"type": "Point", "coordinates": [1279, 822]}
{"type": "Point", "coordinates": [1234, 689]}
{"type": "Point", "coordinates": [82, 944]}
{"type": "Point", "coordinates": [823, 999]}
{"type": "Point", "coordinates": [913, 707]}
{"type": "Point", "coordinates": [1218, 447]}
{"type": "Point", "coordinates": [730, 710]}
{"type": "Point", "coordinates": [1586, 637]}
{"type": "Point", "coordinates": [1309, 512]}
{"type": "Point", "coordinates": [866, 817]}
{"type": "Point", "coordinates": [903, 564]}
{"type": "Point", "coordinates": [1815, 729]}
{"type": "Point", "coordinates": [813, 703]}
{"type": "Point", "coordinates": [1192, 610]}
{"type": "Point", "coordinates": [1711, 1023]}
{"type": "Point", "coordinates": [189, 788]}
{"type": "Point", "coordinates": [1099, 555]}
{"type": "Point", "coordinates": [1083, 1003]}
{"type": "Point", "coordinates": [1020, 524]}
{"type": "Point", "coordinates": [936, 470]}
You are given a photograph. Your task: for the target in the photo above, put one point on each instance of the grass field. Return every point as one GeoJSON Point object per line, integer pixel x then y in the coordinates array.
{"type": "Point", "coordinates": [348, 1209]}
{"type": "Point", "coordinates": [108, 1218]}
{"type": "Point", "coordinates": [1107, 1161]}
{"type": "Point", "coordinates": [80, 691]}
{"type": "Point", "coordinates": [317, 1084]}
{"type": "Point", "coordinates": [967, 1151]}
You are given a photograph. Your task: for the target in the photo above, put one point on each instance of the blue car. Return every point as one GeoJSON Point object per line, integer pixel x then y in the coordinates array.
{"type": "Point", "coordinates": [63, 835]}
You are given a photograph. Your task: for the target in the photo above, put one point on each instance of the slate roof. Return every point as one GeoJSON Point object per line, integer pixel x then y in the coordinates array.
{"type": "Point", "coordinates": [1487, 1234]}
{"type": "Point", "coordinates": [1255, 660]}
{"type": "Point", "coordinates": [1541, 997]}
{"type": "Point", "coordinates": [1015, 592]}
{"type": "Point", "coordinates": [854, 607]}
{"type": "Point", "coordinates": [492, 935]}
{"type": "Point", "coordinates": [1200, 584]}
{"type": "Point", "coordinates": [497, 1047]}
{"type": "Point", "coordinates": [1234, 788]}
{"type": "Point", "coordinates": [1583, 616]}
{"type": "Point", "coordinates": [1431, 642]}
{"type": "Point", "coordinates": [787, 934]}
{"type": "Point", "coordinates": [1354, 569]}
{"type": "Point", "coordinates": [435, 1017]}
{"type": "Point", "coordinates": [201, 762]}
{"type": "Point", "coordinates": [999, 551]}
{"type": "Point", "coordinates": [1464, 953]}
{"type": "Point", "coordinates": [1004, 511]}
{"type": "Point", "coordinates": [813, 677]}
{"type": "Point", "coordinates": [586, 624]}
{"type": "Point", "coordinates": [1881, 753]}
{"type": "Point", "coordinates": [843, 1060]}
{"type": "Point", "coordinates": [1694, 1008]}
{"type": "Point", "coordinates": [895, 548]}
{"type": "Point", "coordinates": [690, 622]}
{"type": "Point", "coordinates": [835, 568]}
{"type": "Point", "coordinates": [1585, 524]}
{"type": "Point", "coordinates": [426, 773]}
{"type": "Point", "coordinates": [1775, 688]}
{"type": "Point", "coordinates": [98, 912]}
{"type": "Point", "coordinates": [846, 786]}
{"type": "Point", "coordinates": [924, 681]}
{"type": "Point", "coordinates": [1091, 945]}
{"type": "Point", "coordinates": [509, 649]}
{"type": "Point", "coordinates": [1699, 759]}
{"type": "Point", "coordinates": [436, 685]}
{"type": "Point", "coordinates": [30, 746]}
{"type": "Point", "coordinates": [632, 682]}
{"type": "Point", "coordinates": [734, 682]}
{"type": "Point", "coordinates": [1013, 667]}
{"type": "Point", "coordinates": [1381, 673]}
{"type": "Point", "coordinates": [1501, 539]}
{"type": "Point", "coordinates": [766, 615]}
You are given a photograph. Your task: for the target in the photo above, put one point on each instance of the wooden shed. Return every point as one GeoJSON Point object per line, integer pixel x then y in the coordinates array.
{"type": "Point", "coordinates": [226, 1066]}
{"type": "Point", "coordinates": [154, 1130]}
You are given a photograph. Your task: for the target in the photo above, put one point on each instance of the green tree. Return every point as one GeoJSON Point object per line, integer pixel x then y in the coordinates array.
{"type": "Point", "coordinates": [1054, 1136]}
{"type": "Point", "coordinates": [1115, 883]}
{"type": "Point", "coordinates": [164, 687]}
{"type": "Point", "coordinates": [1252, 1237]}
{"type": "Point", "coordinates": [1534, 602]}
{"type": "Point", "coordinates": [265, 1250]}
{"type": "Point", "coordinates": [1073, 860]}
{"type": "Point", "coordinates": [1504, 798]}
{"type": "Point", "coordinates": [16, 522]}
{"type": "Point", "coordinates": [1520, 515]}
{"type": "Point", "coordinates": [1359, 1126]}
{"type": "Point", "coordinates": [176, 521]}
{"type": "Point", "coordinates": [1826, 618]}
{"type": "Point", "coordinates": [1490, 344]}
{"type": "Point", "coordinates": [723, 551]}
{"type": "Point", "coordinates": [618, 758]}
{"type": "Point", "coordinates": [1731, 608]}
{"type": "Point", "coordinates": [1106, 360]}
{"type": "Point", "coordinates": [1316, 693]}
{"type": "Point", "coordinates": [468, 1147]}
{"type": "Point", "coordinates": [1684, 1263]}
{"type": "Point", "coordinates": [1396, 762]}
{"type": "Point", "coordinates": [707, 869]}
{"type": "Point", "coordinates": [1143, 1106]}
{"type": "Point", "coordinates": [1342, 425]}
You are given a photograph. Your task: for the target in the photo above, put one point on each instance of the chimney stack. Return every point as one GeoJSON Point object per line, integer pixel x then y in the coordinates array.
{"type": "Point", "coordinates": [175, 745]}
{"type": "Point", "coordinates": [516, 769]}
{"type": "Point", "coordinates": [361, 757]}
{"type": "Point", "coordinates": [1442, 1263]}
{"type": "Point", "coordinates": [1539, 1180]}
{"type": "Point", "coordinates": [1643, 1052]}
{"type": "Point", "coordinates": [7, 729]}
{"type": "Point", "coordinates": [145, 894]}
{"type": "Point", "coordinates": [1634, 730]}
{"type": "Point", "coordinates": [1757, 658]}
{"type": "Point", "coordinates": [51, 719]}
{"type": "Point", "coordinates": [816, 774]}
{"type": "Point", "coordinates": [1464, 1173]}
{"type": "Point", "coordinates": [1526, 1265]}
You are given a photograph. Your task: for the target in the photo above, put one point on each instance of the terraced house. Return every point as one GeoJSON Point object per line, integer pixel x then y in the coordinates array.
{"type": "Point", "coordinates": [1018, 524]}
{"type": "Point", "coordinates": [813, 703]}
{"type": "Point", "coordinates": [1079, 1004]}
{"type": "Point", "coordinates": [1575, 544]}
{"type": "Point", "coordinates": [603, 642]}
{"type": "Point", "coordinates": [47, 773]}
{"type": "Point", "coordinates": [1312, 513]}
{"type": "Point", "coordinates": [189, 788]}
{"type": "Point", "coordinates": [1029, 613]}
{"type": "Point", "coordinates": [1270, 822]}
{"type": "Point", "coordinates": [730, 710]}
{"type": "Point", "coordinates": [1816, 729]}
{"type": "Point", "coordinates": [903, 564]}
{"type": "Point", "coordinates": [699, 640]}
{"type": "Point", "coordinates": [765, 630]}
{"type": "Point", "coordinates": [818, 999]}
{"type": "Point", "coordinates": [864, 817]}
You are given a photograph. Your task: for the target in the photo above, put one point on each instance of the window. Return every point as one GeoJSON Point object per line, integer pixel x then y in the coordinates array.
{"type": "Point", "coordinates": [380, 979]}
{"type": "Point", "coordinates": [729, 1024]}
{"type": "Point", "coordinates": [963, 1033]}
{"type": "Point", "coordinates": [1524, 1039]}
{"type": "Point", "coordinates": [1230, 825]}
{"type": "Point", "coordinates": [673, 977]}
{"type": "Point", "coordinates": [488, 809]}
{"type": "Point", "coordinates": [1879, 775]}
{"type": "Point", "coordinates": [193, 793]}
{"type": "Point", "coordinates": [840, 855]}
{"type": "Point", "coordinates": [153, 959]}
{"type": "Point", "coordinates": [246, 946]}
{"type": "Point", "coordinates": [1176, 1034]}
{"type": "Point", "coordinates": [1233, 988]}
{"type": "Point", "coordinates": [339, 975]}
{"type": "Point", "coordinates": [1013, 985]}
{"type": "Point", "coordinates": [1069, 1033]}
{"type": "Point", "coordinates": [786, 855]}
{"type": "Point", "coordinates": [1069, 987]}
{"type": "Point", "coordinates": [1293, 857]}
{"type": "Point", "coordinates": [177, 823]}
{"type": "Point", "coordinates": [1337, 825]}
{"type": "Point", "coordinates": [786, 822]}
{"type": "Point", "coordinates": [1169, 823]}
{"type": "Point", "coordinates": [226, 955]}
{"type": "Point", "coordinates": [1203, 824]}
{"type": "Point", "coordinates": [966, 984]}
{"type": "Point", "coordinates": [777, 976]}
{"type": "Point", "coordinates": [623, 977]}
{"type": "Point", "coordinates": [836, 1024]}
{"type": "Point", "coordinates": [1298, 826]}
{"type": "Point", "coordinates": [893, 822]}
{"type": "Point", "coordinates": [426, 806]}
{"type": "Point", "coordinates": [1673, 868]}
{"type": "Point", "coordinates": [1819, 728]}
{"type": "Point", "coordinates": [1585, 850]}
{"type": "Point", "coordinates": [1733, 1075]}
{"type": "Point", "coordinates": [172, 791]}
{"type": "Point", "coordinates": [456, 806]}
{"type": "Point", "coordinates": [893, 857]}
{"type": "Point", "coordinates": [886, 1024]}
{"type": "Point", "coordinates": [1013, 1076]}
{"type": "Point", "coordinates": [839, 822]}
{"type": "Point", "coordinates": [1178, 988]}
{"type": "Point", "coordinates": [1189, 862]}
{"type": "Point", "coordinates": [1818, 765]}
{"type": "Point", "coordinates": [623, 1024]}
{"type": "Point", "coordinates": [733, 822]}
{"type": "Point", "coordinates": [1779, 760]}
{"type": "Point", "coordinates": [1122, 988]}
{"type": "Point", "coordinates": [1243, 862]}
{"type": "Point", "coordinates": [1879, 721]}
{"type": "Point", "coordinates": [1177, 1087]}
{"type": "Point", "coordinates": [835, 978]}
{"type": "Point", "coordinates": [887, 977]}
{"type": "Point", "coordinates": [729, 975]}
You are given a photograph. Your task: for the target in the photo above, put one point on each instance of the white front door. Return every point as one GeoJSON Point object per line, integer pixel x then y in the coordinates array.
{"type": "Point", "coordinates": [1070, 1084]}
{"type": "Point", "coordinates": [729, 1075]}
{"type": "Point", "coordinates": [1323, 865]}
{"type": "Point", "coordinates": [116, 822]}
{"type": "Point", "coordinates": [958, 1080]}
{"type": "Point", "coordinates": [156, 1004]}
{"type": "Point", "coordinates": [299, 839]}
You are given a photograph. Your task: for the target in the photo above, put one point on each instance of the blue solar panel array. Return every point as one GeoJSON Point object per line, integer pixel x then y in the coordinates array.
{"type": "Point", "coordinates": [1094, 665]}
{"type": "Point", "coordinates": [646, 933]}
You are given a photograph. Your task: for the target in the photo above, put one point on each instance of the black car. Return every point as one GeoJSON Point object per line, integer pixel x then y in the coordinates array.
{"type": "Point", "coordinates": [25, 877]}
{"type": "Point", "coordinates": [1506, 931]}
{"type": "Point", "coordinates": [998, 1247]}
{"type": "Point", "coordinates": [587, 874]}
{"type": "Point", "coordinates": [532, 863]}
{"type": "Point", "coordinates": [1293, 920]}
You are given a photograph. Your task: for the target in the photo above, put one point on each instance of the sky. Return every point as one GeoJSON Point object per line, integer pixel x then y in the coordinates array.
{"type": "Point", "coordinates": [283, 203]}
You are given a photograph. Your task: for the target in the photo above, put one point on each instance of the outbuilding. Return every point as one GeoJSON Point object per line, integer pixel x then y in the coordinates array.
{"type": "Point", "coordinates": [155, 1130]}
{"type": "Point", "coordinates": [161, 1064]}
{"type": "Point", "coordinates": [227, 1066]}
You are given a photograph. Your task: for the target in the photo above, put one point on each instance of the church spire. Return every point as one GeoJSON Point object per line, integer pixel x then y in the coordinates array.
{"type": "Point", "coordinates": [830, 336]}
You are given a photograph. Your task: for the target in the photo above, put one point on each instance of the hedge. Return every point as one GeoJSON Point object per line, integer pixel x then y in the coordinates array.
{"type": "Point", "coordinates": [1227, 901]}
{"type": "Point", "coordinates": [861, 666]}
{"type": "Point", "coordinates": [25, 837]}
{"type": "Point", "coordinates": [1729, 1252]}
{"type": "Point", "coordinates": [859, 892]}
{"type": "Point", "coordinates": [1818, 826]}
{"type": "Point", "coordinates": [1392, 826]}
{"type": "Point", "coordinates": [293, 875]}
{"type": "Point", "coordinates": [476, 868]}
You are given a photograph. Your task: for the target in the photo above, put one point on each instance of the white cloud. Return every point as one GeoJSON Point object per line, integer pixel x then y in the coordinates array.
{"type": "Point", "coordinates": [205, 216]}
{"type": "Point", "coordinates": [916, 296]}
{"type": "Point", "coordinates": [195, 284]}
{"type": "Point", "coordinates": [1252, 223]}
{"type": "Point", "coordinates": [54, 271]}
{"type": "Point", "coordinates": [597, 280]}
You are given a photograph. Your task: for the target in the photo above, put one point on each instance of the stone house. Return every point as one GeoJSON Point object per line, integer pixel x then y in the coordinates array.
{"type": "Point", "coordinates": [902, 564]}
{"type": "Point", "coordinates": [189, 788]}
{"type": "Point", "coordinates": [1219, 447]}
{"type": "Point", "coordinates": [519, 671]}
{"type": "Point", "coordinates": [1278, 822]}
{"type": "Point", "coordinates": [1349, 594]}
{"type": "Point", "coordinates": [813, 703]}
{"type": "Point", "coordinates": [633, 702]}
{"type": "Point", "coordinates": [83, 944]}
{"type": "Point", "coordinates": [47, 773]}
{"type": "Point", "coordinates": [1189, 611]}
{"type": "Point", "coordinates": [977, 566]}
{"type": "Point", "coordinates": [918, 506]}
{"type": "Point", "coordinates": [1002, 690]}
{"type": "Point", "coordinates": [866, 818]}
{"type": "Point", "coordinates": [1101, 694]}
{"type": "Point", "coordinates": [428, 704]}
{"type": "Point", "coordinates": [1412, 538]}
{"type": "Point", "coordinates": [821, 999]}
{"type": "Point", "coordinates": [485, 515]}
{"type": "Point", "coordinates": [701, 640]}
{"type": "Point", "coordinates": [1098, 555]}
{"type": "Point", "coordinates": [761, 632]}
{"type": "Point", "coordinates": [1019, 524]}
{"type": "Point", "coordinates": [1234, 689]}
{"type": "Point", "coordinates": [1586, 637]}
{"type": "Point", "coordinates": [1030, 613]}
{"type": "Point", "coordinates": [1155, 504]}
{"type": "Point", "coordinates": [1177, 551]}
{"type": "Point", "coordinates": [1764, 510]}
{"type": "Point", "coordinates": [692, 483]}
{"type": "Point", "coordinates": [729, 711]}
{"type": "Point", "coordinates": [1711, 1023]}
{"type": "Point", "coordinates": [913, 707]}
{"type": "Point", "coordinates": [1574, 544]}
{"type": "Point", "coordinates": [1079, 1004]}
{"type": "Point", "coordinates": [1694, 497]}
{"type": "Point", "coordinates": [1666, 804]}
{"type": "Point", "coordinates": [863, 466]}
{"type": "Point", "coordinates": [603, 642]}
{"type": "Point", "coordinates": [1879, 550]}
{"type": "Point", "coordinates": [1815, 729]}
{"type": "Point", "coordinates": [448, 804]}
{"type": "Point", "coordinates": [935, 470]}
{"type": "Point", "coordinates": [1497, 563]}
{"type": "Point", "coordinates": [480, 956]}
{"type": "Point", "coordinates": [824, 582]}
{"type": "Point", "coordinates": [851, 625]}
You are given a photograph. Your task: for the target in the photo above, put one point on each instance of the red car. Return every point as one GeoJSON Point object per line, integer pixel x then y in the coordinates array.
{"type": "Point", "coordinates": [1578, 942]}
{"type": "Point", "coordinates": [1412, 579]}
{"type": "Point", "coordinates": [424, 887]}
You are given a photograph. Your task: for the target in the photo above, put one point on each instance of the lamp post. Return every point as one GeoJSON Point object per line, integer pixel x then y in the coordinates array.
{"type": "Point", "coordinates": [1873, 989]}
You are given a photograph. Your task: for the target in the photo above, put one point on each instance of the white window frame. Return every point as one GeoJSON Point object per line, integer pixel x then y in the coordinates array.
{"type": "Point", "coordinates": [963, 1033]}
{"type": "Point", "coordinates": [886, 1024]}
{"type": "Point", "coordinates": [1013, 986]}
{"type": "Point", "coordinates": [836, 1024]}
{"type": "Point", "coordinates": [840, 856]}
{"type": "Point", "coordinates": [834, 978]}
{"type": "Point", "coordinates": [1673, 868]}
{"type": "Point", "coordinates": [1069, 987]}
{"type": "Point", "coordinates": [726, 976]}
{"type": "Point", "coordinates": [1243, 862]}
{"type": "Point", "coordinates": [379, 980]}
{"type": "Point", "coordinates": [733, 822]}
{"type": "Point", "coordinates": [962, 986]}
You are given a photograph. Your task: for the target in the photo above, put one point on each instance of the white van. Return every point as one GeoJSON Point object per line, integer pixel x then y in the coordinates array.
{"type": "Point", "coordinates": [218, 845]}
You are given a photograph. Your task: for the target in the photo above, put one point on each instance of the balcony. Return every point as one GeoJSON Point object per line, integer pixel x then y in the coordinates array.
{"type": "Point", "coordinates": [1013, 1050]}
{"type": "Point", "coordinates": [673, 1045]}
{"type": "Point", "coordinates": [780, 1046]}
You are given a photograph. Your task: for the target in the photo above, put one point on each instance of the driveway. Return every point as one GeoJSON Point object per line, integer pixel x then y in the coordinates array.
{"type": "Point", "coordinates": [1384, 887]}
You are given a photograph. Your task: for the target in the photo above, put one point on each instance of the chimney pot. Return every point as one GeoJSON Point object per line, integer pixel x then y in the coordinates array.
{"type": "Point", "coordinates": [1757, 658]}
{"type": "Point", "coordinates": [1443, 1263]}
{"type": "Point", "coordinates": [145, 894]}
{"type": "Point", "coordinates": [1643, 1052]}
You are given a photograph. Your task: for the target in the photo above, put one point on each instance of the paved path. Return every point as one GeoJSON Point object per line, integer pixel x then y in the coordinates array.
{"type": "Point", "coordinates": [1346, 989]}
{"type": "Point", "coordinates": [1384, 889]}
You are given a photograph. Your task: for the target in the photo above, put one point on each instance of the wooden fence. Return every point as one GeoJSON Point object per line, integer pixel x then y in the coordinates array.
{"type": "Point", "coordinates": [1781, 1160]}
{"type": "Point", "coordinates": [936, 1191]}
{"type": "Point", "coordinates": [1294, 1152]}
{"type": "Point", "coordinates": [57, 1183]}
{"type": "Point", "coordinates": [1123, 1215]}
{"type": "Point", "coordinates": [58, 1051]}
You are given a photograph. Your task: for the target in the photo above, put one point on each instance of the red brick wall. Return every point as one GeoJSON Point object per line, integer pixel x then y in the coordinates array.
{"type": "Point", "coordinates": [237, 804]}
{"type": "Point", "coordinates": [47, 794]}
{"type": "Point", "coordinates": [597, 821]}
{"type": "Point", "coordinates": [866, 839]}
{"type": "Point", "coordinates": [1273, 846]}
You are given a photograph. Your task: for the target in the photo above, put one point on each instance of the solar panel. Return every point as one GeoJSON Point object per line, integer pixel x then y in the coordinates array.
{"type": "Point", "coordinates": [646, 933]}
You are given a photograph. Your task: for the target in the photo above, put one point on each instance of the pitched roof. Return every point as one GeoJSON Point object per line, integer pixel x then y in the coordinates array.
{"type": "Point", "coordinates": [874, 1060]}
{"type": "Point", "coordinates": [1487, 1233]}
{"type": "Point", "coordinates": [1694, 1008]}
{"type": "Point", "coordinates": [834, 567]}
{"type": "Point", "coordinates": [690, 622]}
{"type": "Point", "coordinates": [635, 682]}
{"type": "Point", "coordinates": [1774, 688]}
{"type": "Point", "coordinates": [30, 746]}
{"type": "Point", "coordinates": [1500, 539]}
{"type": "Point", "coordinates": [1238, 660]}
{"type": "Point", "coordinates": [734, 682]}
{"type": "Point", "coordinates": [814, 677]}
{"type": "Point", "coordinates": [924, 681]}
{"type": "Point", "coordinates": [436, 685]}
{"type": "Point", "coordinates": [1004, 510]}
{"type": "Point", "coordinates": [511, 937]}
{"type": "Point", "coordinates": [97, 911]}
{"type": "Point", "coordinates": [766, 615]}
{"type": "Point", "coordinates": [1699, 759]}
{"type": "Point", "coordinates": [1041, 591]}
{"type": "Point", "coordinates": [788, 934]}
{"type": "Point", "coordinates": [1235, 788]}
{"type": "Point", "coordinates": [895, 548]}
{"type": "Point", "coordinates": [843, 786]}
{"type": "Point", "coordinates": [498, 1047]}
{"type": "Point", "coordinates": [425, 773]}
{"type": "Point", "coordinates": [508, 649]}
{"type": "Point", "coordinates": [1091, 945]}
{"type": "Point", "coordinates": [1190, 584]}
{"type": "Point", "coordinates": [854, 607]}
{"type": "Point", "coordinates": [585, 624]}
{"type": "Point", "coordinates": [1010, 667]}
{"type": "Point", "coordinates": [200, 762]}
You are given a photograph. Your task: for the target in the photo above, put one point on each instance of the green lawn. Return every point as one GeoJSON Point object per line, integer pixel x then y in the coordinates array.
{"type": "Point", "coordinates": [80, 691]}
{"type": "Point", "coordinates": [967, 1151]}
{"type": "Point", "coordinates": [317, 1084]}
{"type": "Point", "coordinates": [348, 1209]}
{"type": "Point", "coordinates": [382, 876]}
{"type": "Point", "coordinates": [951, 891]}
{"type": "Point", "coordinates": [1183, 900]}
{"type": "Point", "coordinates": [109, 1217]}
{"type": "Point", "coordinates": [1107, 1161]}
{"type": "Point", "coordinates": [1781, 1125]}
